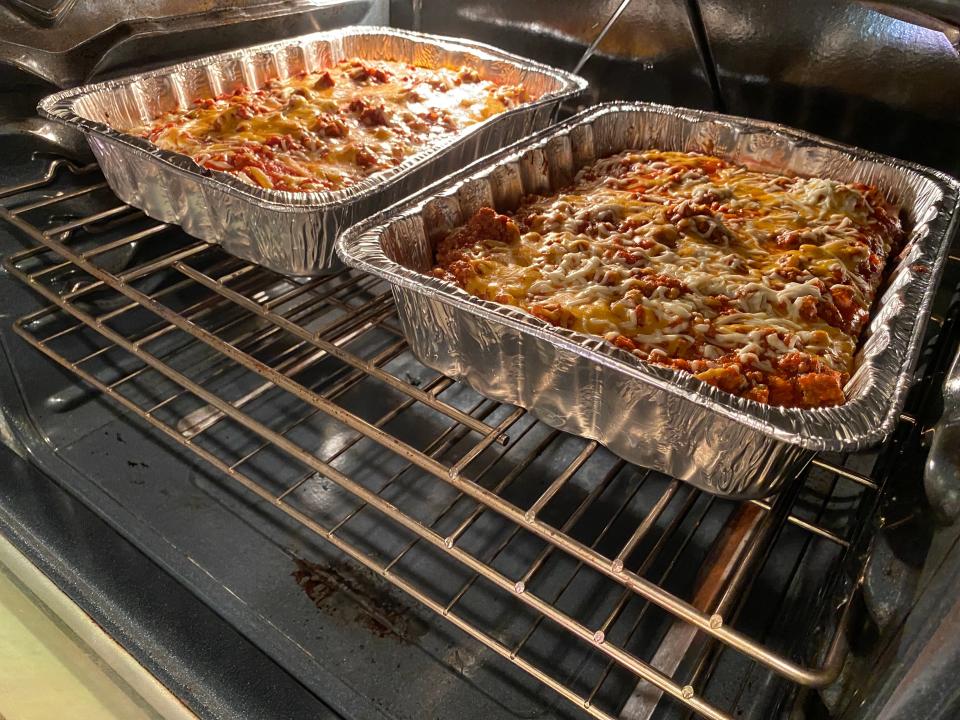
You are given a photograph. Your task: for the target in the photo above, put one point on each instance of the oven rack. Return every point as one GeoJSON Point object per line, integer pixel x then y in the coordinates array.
{"type": "Point", "coordinates": [241, 365]}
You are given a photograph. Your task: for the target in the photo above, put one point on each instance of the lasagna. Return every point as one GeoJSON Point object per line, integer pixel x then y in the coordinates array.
{"type": "Point", "coordinates": [328, 130]}
{"type": "Point", "coordinates": [754, 282]}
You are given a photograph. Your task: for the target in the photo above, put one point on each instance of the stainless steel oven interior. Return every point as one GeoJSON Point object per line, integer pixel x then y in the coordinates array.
{"type": "Point", "coordinates": [255, 487]}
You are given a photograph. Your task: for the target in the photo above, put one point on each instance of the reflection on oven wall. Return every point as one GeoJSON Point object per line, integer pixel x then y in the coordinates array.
{"type": "Point", "coordinates": [872, 76]}
{"type": "Point", "coordinates": [842, 69]}
{"type": "Point", "coordinates": [84, 42]}
{"type": "Point", "coordinates": [649, 51]}
{"type": "Point", "coordinates": [301, 18]}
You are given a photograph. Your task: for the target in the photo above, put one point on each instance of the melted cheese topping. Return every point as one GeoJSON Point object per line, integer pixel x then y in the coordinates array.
{"type": "Point", "coordinates": [757, 283]}
{"type": "Point", "coordinates": [327, 130]}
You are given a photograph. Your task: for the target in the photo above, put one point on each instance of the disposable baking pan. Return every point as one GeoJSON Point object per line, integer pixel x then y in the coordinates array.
{"type": "Point", "coordinates": [653, 416]}
{"type": "Point", "coordinates": [292, 233]}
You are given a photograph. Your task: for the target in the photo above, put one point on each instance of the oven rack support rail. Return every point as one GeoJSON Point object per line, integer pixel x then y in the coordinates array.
{"type": "Point", "coordinates": [275, 332]}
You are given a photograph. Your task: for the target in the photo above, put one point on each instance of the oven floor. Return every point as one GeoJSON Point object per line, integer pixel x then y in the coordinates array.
{"type": "Point", "coordinates": [242, 559]}
{"type": "Point", "coordinates": [238, 558]}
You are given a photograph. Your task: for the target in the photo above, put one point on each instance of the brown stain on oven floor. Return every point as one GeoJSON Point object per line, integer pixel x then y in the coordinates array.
{"type": "Point", "coordinates": [353, 595]}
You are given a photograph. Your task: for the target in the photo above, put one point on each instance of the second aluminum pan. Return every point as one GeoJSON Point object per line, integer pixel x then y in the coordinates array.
{"type": "Point", "coordinates": [655, 416]}
{"type": "Point", "coordinates": [289, 232]}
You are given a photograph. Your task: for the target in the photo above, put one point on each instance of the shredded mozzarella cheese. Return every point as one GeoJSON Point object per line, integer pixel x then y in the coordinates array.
{"type": "Point", "coordinates": [748, 279]}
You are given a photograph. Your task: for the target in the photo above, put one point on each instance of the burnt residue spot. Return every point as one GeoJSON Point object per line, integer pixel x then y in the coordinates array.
{"type": "Point", "coordinates": [353, 595]}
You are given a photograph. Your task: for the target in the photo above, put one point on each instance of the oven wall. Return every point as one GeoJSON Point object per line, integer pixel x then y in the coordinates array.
{"type": "Point", "coordinates": [842, 69]}
{"type": "Point", "coordinates": [882, 79]}
{"type": "Point", "coordinates": [647, 50]}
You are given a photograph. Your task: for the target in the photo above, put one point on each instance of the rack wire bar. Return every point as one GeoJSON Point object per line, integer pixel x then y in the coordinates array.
{"type": "Point", "coordinates": [19, 209]}
{"type": "Point", "coordinates": [724, 563]}
{"type": "Point", "coordinates": [733, 603]}
{"type": "Point", "coordinates": [684, 610]}
{"type": "Point", "coordinates": [54, 169]}
{"type": "Point", "coordinates": [312, 345]}
{"type": "Point", "coordinates": [330, 348]}
{"type": "Point", "coordinates": [342, 545]}
{"type": "Point", "coordinates": [641, 669]}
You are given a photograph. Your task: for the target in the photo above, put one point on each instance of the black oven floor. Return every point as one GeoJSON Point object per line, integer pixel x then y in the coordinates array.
{"type": "Point", "coordinates": [191, 649]}
{"type": "Point", "coordinates": [241, 560]}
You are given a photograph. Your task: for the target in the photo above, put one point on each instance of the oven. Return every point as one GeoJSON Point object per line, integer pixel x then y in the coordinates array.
{"type": "Point", "coordinates": [254, 486]}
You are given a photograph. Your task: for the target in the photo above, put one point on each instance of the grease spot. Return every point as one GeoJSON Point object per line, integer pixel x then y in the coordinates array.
{"type": "Point", "coordinates": [354, 595]}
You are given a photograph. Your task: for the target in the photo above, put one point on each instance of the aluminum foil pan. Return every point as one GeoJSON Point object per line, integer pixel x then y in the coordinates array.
{"type": "Point", "coordinates": [292, 233]}
{"type": "Point", "coordinates": [654, 416]}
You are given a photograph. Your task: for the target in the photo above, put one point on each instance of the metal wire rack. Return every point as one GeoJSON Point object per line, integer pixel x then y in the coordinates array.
{"type": "Point", "coordinates": [306, 394]}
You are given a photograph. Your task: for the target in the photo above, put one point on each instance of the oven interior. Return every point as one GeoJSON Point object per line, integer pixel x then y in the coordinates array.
{"type": "Point", "coordinates": [251, 482]}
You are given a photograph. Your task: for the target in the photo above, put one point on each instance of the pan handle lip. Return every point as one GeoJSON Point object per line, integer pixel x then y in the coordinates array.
{"type": "Point", "coordinates": [941, 476]}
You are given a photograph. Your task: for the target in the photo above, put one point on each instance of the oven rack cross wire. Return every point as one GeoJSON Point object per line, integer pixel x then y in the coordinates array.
{"type": "Point", "coordinates": [254, 372]}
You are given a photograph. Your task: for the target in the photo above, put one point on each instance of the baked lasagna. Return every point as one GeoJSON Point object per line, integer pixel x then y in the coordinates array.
{"type": "Point", "coordinates": [757, 283]}
{"type": "Point", "coordinates": [327, 130]}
